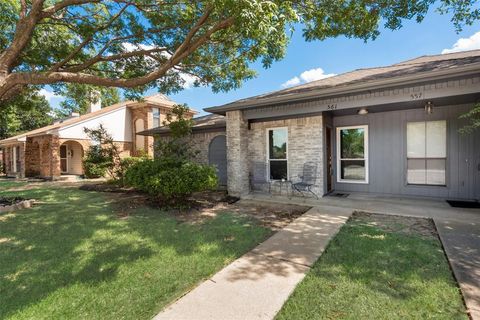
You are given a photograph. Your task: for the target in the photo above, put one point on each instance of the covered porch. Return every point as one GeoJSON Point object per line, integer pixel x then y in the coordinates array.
{"type": "Point", "coordinates": [48, 156]}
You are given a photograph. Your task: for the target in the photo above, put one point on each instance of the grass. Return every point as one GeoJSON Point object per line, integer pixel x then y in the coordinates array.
{"type": "Point", "coordinates": [72, 257]}
{"type": "Point", "coordinates": [369, 273]}
{"type": "Point", "coordinates": [6, 184]}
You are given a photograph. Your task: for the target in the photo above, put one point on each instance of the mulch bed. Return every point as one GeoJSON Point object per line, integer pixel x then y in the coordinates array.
{"type": "Point", "coordinates": [203, 205]}
{"type": "Point", "coordinates": [398, 224]}
{"type": "Point", "coordinates": [9, 201]}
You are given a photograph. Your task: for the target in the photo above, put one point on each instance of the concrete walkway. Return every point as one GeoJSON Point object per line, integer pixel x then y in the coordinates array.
{"type": "Point", "coordinates": [459, 231]}
{"type": "Point", "coordinates": [256, 285]}
{"type": "Point", "coordinates": [462, 245]}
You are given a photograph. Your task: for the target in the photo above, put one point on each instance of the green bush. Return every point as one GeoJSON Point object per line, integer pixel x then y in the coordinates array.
{"type": "Point", "coordinates": [95, 163]}
{"type": "Point", "coordinates": [124, 165]}
{"type": "Point", "coordinates": [171, 181]}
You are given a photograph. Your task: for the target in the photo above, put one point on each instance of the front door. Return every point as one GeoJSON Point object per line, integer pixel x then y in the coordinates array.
{"type": "Point", "coordinates": [328, 137]}
{"type": "Point", "coordinates": [63, 159]}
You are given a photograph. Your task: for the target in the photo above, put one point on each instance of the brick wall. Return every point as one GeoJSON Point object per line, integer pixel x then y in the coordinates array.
{"type": "Point", "coordinates": [237, 154]}
{"type": "Point", "coordinates": [304, 145]}
{"type": "Point", "coordinates": [144, 113]}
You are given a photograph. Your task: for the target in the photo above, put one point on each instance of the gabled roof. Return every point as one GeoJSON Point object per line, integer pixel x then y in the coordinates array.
{"type": "Point", "coordinates": [419, 69]}
{"type": "Point", "coordinates": [158, 100]}
{"type": "Point", "coordinates": [204, 123]}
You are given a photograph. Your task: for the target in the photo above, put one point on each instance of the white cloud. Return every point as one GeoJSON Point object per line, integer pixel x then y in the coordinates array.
{"type": "Point", "coordinates": [308, 76]}
{"type": "Point", "coordinates": [292, 82]}
{"type": "Point", "coordinates": [464, 44]}
{"type": "Point", "coordinates": [189, 80]}
{"type": "Point", "coordinates": [49, 95]}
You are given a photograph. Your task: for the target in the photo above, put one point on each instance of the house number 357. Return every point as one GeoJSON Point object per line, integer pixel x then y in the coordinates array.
{"type": "Point", "coordinates": [416, 96]}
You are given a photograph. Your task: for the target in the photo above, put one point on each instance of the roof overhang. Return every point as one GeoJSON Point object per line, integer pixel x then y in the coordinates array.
{"type": "Point", "coordinates": [163, 131]}
{"type": "Point", "coordinates": [9, 142]}
{"type": "Point", "coordinates": [348, 89]}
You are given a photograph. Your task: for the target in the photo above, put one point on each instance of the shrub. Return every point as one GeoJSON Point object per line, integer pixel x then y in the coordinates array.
{"type": "Point", "coordinates": [95, 163]}
{"type": "Point", "coordinates": [124, 165]}
{"type": "Point", "coordinates": [103, 157]}
{"type": "Point", "coordinates": [171, 181]}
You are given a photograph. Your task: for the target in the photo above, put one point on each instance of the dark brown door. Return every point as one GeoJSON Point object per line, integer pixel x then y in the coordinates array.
{"type": "Point", "coordinates": [328, 137]}
{"type": "Point", "coordinates": [63, 158]}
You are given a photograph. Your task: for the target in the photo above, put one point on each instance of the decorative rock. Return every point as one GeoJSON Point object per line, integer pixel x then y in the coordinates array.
{"type": "Point", "coordinates": [24, 204]}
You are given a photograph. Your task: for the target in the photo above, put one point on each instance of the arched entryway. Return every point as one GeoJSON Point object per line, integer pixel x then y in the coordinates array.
{"type": "Point", "coordinates": [71, 155]}
{"type": "Point", "coordinates": [217, 156]}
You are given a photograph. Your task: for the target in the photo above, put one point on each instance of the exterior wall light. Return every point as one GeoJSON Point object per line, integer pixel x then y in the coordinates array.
{"type": "Point", "coordinates": [429, 107]}
{"type": "Point", "coordinates": [362, 111]}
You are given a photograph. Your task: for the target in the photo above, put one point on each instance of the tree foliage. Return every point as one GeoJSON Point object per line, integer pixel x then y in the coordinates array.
{"type": "Point", "coordinates": [27, 111]}
{"type": "Point", "coordinates": [78, 97]}
{"type": "Point", "coordinates": [142, 44]}
{"type": "Point", "coordinates": [103, 156]}
{"type": "Point", "coordinates": [473, 119]}
{"type": "Point", "coordinates": [177, 147]}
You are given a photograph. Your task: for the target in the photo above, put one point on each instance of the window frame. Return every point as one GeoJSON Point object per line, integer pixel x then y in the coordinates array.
{"type": "Point", "coordinates": [267, 131]}
{"type": "Point", "coordinates": [407, 183]}
{"type": "Point", "coordinates": [154, 117]}
{"type": "Point", "coordinates": [365, 154]}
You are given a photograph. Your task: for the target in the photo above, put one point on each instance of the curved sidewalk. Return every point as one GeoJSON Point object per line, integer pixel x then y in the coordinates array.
{"type": "Point", "coordinates": [256, 285]}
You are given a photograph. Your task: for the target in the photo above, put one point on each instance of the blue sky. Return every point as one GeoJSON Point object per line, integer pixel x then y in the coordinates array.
{"type": "Point", "coordinates": [333, 56]}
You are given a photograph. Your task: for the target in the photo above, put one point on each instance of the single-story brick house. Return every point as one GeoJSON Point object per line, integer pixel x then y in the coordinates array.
{"type": "Point", "coordinates": [386, 130]}
{"type": "Point", "coordinates": [58, 149]}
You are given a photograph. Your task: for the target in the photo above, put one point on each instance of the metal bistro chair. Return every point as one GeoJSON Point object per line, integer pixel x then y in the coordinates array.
{"type": "Point", "coordinates": [308, 179]}
{"type": "Point", "coordinates": [258, 176]}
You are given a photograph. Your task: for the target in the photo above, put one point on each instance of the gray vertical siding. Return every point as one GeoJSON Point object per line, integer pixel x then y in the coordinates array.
{"type": "Point", "coordinates": [387, 154]}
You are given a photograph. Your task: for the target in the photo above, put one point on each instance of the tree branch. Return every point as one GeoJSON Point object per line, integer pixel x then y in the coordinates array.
{"type": "Point", "coordinates": [25, 78]}
{"type": "Point", "coordinates": [23, 34]}
{"type": "Point", "coordinates": [82, 45]}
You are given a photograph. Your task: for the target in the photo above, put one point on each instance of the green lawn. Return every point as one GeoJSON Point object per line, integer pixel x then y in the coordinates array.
{"type": "Point", "coordinates": [72, 257]}
{"type": "Point", "coordinates": [369, 273]}
{"type": "Point", "coordinates": [6, 184]}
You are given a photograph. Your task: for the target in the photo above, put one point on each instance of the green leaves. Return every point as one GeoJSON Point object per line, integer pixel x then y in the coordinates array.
{"type": "Point", "coordinates": [26, 112]}
{"type": "Point", "coordinates": [147, 44]}
{"type": "Point", "coordinates": [473, 118]}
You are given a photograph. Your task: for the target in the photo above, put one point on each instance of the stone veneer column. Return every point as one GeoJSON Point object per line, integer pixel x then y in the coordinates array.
{"type": "Point", "coordinates": [237, 154]}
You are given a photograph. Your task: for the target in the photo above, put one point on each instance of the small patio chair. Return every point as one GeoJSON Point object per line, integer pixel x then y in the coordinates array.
{"type": "Point", "coordinates": [258, 176]}
{"type": "Point", "coordinates": [308, 180]}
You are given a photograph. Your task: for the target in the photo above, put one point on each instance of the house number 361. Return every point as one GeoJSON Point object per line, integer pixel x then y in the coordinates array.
{"type": "Point", "coordinates": [332, 106]}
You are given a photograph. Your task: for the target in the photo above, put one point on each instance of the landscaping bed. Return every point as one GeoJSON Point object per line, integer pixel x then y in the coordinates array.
{"type": "Point", "coordinates": [379, 267]}
{"type": "Point", "coordinates": [9, 204]}
{"type": "Point", "coordinates": [204, 205]}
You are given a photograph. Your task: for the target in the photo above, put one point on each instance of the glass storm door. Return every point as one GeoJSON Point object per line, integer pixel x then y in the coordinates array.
{"type": "Point", "coordinates": [63, 159]}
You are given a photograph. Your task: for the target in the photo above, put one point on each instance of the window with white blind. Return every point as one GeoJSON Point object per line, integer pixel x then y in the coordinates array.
{"type": "Point", "coordinates": [427, 152]}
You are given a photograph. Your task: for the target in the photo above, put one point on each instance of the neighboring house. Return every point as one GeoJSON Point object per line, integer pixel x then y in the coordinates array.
{"type": "Point", "coordinates": [208, 138]}
{"type": "Point", "coordinates": [386, 130]}
{"type": "Point", "coordinates": [58, 149]}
